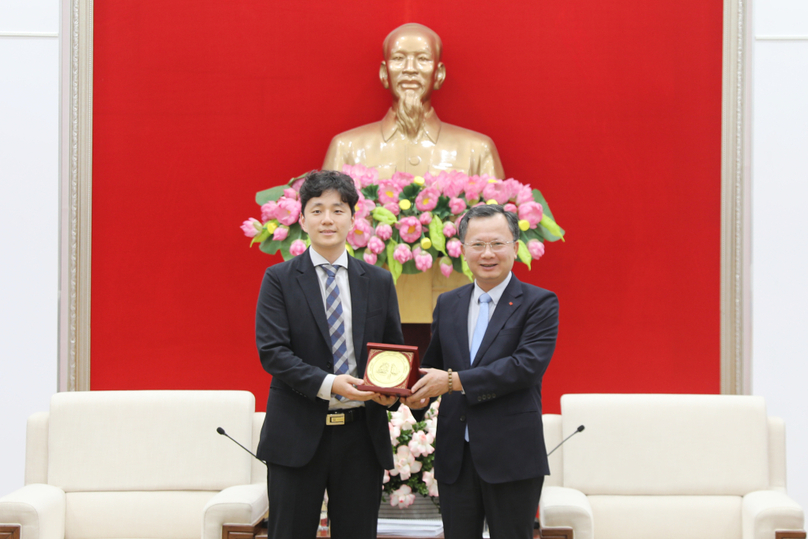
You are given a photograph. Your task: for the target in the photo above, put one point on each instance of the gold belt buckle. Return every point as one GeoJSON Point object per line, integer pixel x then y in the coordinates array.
{"type": "Point", "coordinates": [335, 419]}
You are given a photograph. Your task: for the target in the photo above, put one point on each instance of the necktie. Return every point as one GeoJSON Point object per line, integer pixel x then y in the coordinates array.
{"type": "Point", "coordinates": [482, 325]}
{"type": "Point", "coordinates": [336, 326]}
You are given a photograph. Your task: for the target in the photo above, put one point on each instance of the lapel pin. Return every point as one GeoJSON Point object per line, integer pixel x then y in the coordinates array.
{"type": "Point", "coordinates": [510, 303]}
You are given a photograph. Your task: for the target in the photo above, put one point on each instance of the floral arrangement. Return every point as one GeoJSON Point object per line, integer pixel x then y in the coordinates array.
{"type": "Point", "coordinates": [413, 453]}
{"type": "Point", "coordinates": [407, 222]}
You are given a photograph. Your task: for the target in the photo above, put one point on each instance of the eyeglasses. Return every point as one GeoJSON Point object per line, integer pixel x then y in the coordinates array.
{"type": "Point", "coordinates": [496, 246]}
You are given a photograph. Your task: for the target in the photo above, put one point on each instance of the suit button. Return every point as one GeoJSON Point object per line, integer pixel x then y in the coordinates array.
{"type": "Point", "coordinates": [329, 366]}
{"type": "Point", "coordinates": [462, 418]}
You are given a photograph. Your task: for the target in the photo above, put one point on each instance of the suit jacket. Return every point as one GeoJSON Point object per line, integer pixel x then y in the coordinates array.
{"type": "Point", "coordinates": [502, 401]}
{"type": "Point", "coordinates": [294, 346]}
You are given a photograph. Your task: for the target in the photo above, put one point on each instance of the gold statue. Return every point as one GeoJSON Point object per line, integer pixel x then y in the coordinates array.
{"type": "Point", "coordinates": [411, 138]}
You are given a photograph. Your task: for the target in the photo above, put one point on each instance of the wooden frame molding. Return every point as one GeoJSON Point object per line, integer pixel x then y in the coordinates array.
{"type": "Point", "coordinates": [9, 532]}
{"type": "Point", "coordinates": [789, 534]}
{"type": "Point", "coordinates": [76, 132]}
{"type": "Point", "coordinates": [735, 201]}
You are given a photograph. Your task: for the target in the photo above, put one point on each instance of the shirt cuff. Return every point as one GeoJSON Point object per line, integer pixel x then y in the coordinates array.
{"type": "Point", "coordinates": [325, 387]}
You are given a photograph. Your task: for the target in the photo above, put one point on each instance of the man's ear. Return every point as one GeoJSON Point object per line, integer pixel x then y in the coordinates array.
{"type": "Point", "coordinates": [440, 75]}
{"type": "Point", "coordinates": [383, 75]}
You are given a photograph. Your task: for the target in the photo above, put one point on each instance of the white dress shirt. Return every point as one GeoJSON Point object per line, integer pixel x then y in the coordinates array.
{"type": "Point", "coordinates": [341, 278]}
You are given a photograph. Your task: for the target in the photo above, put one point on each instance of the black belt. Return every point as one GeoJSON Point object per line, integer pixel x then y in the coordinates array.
{"type": "Point", "coordinates": [343, 417]}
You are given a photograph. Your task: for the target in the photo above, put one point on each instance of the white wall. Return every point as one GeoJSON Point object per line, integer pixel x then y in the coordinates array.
{"type": "Point", "coordinates": [780, 224]}
{"type": "Point", "coordinates": [29, 221]}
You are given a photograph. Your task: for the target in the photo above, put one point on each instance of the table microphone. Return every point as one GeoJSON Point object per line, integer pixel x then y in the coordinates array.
{"type": "Point", "coordinates": [221, 431]}
{"type": "Point", "coordinates": [579, 429]}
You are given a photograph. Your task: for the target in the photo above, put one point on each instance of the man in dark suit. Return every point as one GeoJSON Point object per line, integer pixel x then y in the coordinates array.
{"type": "Point", "coordinates": [315, 315]}
{"type": "Point", "coordinates": [491, 344]}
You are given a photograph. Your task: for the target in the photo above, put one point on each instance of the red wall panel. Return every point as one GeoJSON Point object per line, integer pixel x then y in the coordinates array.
{"type": "Point", "coordinates": [612, 109]}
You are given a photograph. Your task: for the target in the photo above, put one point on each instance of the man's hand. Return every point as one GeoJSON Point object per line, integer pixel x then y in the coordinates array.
{"type": "Point", "coordinates": [385, 400]}
{"type": "Point", "coordinates": [433, 383]}
{"type": "Point", "coordinates": [345, 385]}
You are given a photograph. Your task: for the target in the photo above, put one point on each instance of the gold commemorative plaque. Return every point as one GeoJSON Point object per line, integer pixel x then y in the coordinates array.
{"type": "Point", "coordinates": [392, 369]}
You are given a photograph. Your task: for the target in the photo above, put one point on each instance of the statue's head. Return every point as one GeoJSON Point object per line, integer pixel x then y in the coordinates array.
{"type": "Point", "coordinates": [412, 66]}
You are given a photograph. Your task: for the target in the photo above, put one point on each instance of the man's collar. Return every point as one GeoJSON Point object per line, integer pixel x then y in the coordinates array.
{"type": "Point", "coordinates": [318, 260]}
{"type": "Point", "coordinates": [495, 292]}
{"type": "Point", "coordinates": [431, 125]}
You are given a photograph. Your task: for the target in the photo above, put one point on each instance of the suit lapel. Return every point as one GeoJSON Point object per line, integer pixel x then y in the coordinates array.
{"type": "Point", "coordinates": [508, 304]}
{"type": "Point", "coordinates": [460, 322]}
{"type": "Point", "coordinates": [310, 284]}
{"type": "Point", "coordinates": [359, 283]}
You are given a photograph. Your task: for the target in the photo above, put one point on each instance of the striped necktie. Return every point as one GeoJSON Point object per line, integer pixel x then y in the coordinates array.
{"type": "Point", "coordinates": [336, 325]}
{"type": "Point", "coordinates": [482, 325]}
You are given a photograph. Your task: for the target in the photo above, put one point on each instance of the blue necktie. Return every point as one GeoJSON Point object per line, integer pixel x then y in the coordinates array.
{"type": "Point", "coordinates": [482, 325]}
{"type": "Point", "coordinates": [336, 326]}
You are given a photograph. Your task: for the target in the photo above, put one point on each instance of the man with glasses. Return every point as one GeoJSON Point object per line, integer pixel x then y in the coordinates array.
{"type": "Point", "coordinates": [491, 344]}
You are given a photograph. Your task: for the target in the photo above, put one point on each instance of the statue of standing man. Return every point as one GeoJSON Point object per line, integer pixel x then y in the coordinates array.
{"type": "Point", "coordinates": [411, 138]}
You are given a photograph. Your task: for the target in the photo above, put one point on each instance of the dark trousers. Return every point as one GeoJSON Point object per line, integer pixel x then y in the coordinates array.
{"type": "Point", "coordinates": [345, 464]}
{"type": "Point", "coordinates": [509, 508]}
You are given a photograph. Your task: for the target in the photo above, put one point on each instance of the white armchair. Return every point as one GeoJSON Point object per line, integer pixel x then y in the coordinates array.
{"type": "Point", "coordinates": [667, 466]}
{"type": "Point", "coordinates": [138, 465]}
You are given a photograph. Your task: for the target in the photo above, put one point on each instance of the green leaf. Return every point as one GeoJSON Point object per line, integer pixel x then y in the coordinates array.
{"type": "Point", "coordinates": [383, 215]}
{"type": "Point", "coordinates": [410, 192]}
{"type": "Point", "coordinates": [523, 254]}
{"type": "Point", "coordinates": [370, 192]}
{"type": "Point", "coordinates": [269, 246]}
{"type": "Point", "coordinates": [465, 267]}
{"type": "Point", "coordinates": [392, 263]}
{"type": "Point", "coordinates": [295, 233]}
{"type": "Point", "coordinates": [538, 197]}
{"type": "Point", "coordinates": [261, 236]}
{"type": "Point", "coordinates": [442, 209]}
{"type": "Point", "coordinates": [436, 234]}
{"type": "Point", "coordinates": [262, 197]}
{"type": "Point", "coordinates": [551, 230]}
{"type": "Point", "coordinates": [349, 249]}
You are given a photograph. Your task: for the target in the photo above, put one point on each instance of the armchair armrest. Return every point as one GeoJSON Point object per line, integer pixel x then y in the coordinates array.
{"type": "Point", "coordinates": [765, 511]}
{"type": "Point", "coordinates": [241, 504]}
{"type": "Point", "coordinates": [566, 507]}
{"type": "Point", "coordinates": [38, 509]}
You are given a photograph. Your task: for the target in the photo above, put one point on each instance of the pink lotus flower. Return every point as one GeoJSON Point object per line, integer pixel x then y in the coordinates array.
{"type": "Point", "coordinates": [421, 444]}
{"type": "Point", "coordinates": [360, 234]}
{"type": "Point", "coordinates": [402, 253]}
{"type": "Point", "coordinates": [403, 497]}
{"type": "Point", "coordinates": [290, 193]}
{"type": "Point", "coordinates": [423, 260]}
{"type": "Point", "coordinates": [269, 211]}
{"type": "Point", "coordinates": [475, 186]}
{"type": "Point", "coordinates": [496, 191]}
{"type": "Point", "coordinates": [427, 199]}
{"type": "Point", "coordinates": [251, 227]}
{"type": "Point", "coordinates": [362, 175]}
{"type": "Point", "coordinates": [363, 207]}
{"type": "Point", "coordinates": [452, 183]}
{"type": "Point", "coordinates": [431, 483]}
{"type": "Point", "coordinates": [375, 245]}
{"type": "Point", "coordinates": [449, 229]}
{"type": "Point", "coordinates": [395, 432]}
{"type": "Point", "coordinates": [409, 228]}
{"type": "Point", "coordinates": [280, 233]}
{"type": "Point", "coordinates": [425, 218]}
{"type": "Point", "coordinates": [512, 187]}
{"type": "Point", "coordinates": [369, 257]}
{"type": "Point", "coordinates": [288, 211]}
{"type": "Point", "coordinates": [388, 192]}
{"type": "Point", "coordinates": [525, 195]}
{"type": "Point", "coordinates": [531, 212]}
{"type": "Point", "coordinates": [385, 232]}
{"type": "Point", "coordinates": [446, 268]}
{"type": "Point", "coordinates": [402, 179]}
{"type": "Point", "coordinates": [456, 205]}
{"type": "Point", "coordinates": [298, 247]}
{"type": "Point", "coordinates": [393, 207]}
{"type": "Point", "coordinates": [510, 207]}
{"type": "Point", "coordinates": [297, 183]}
{"type": "Point", "coordinates": [536, 249]}
{"type": "Point", "coordinates": [453, 247]}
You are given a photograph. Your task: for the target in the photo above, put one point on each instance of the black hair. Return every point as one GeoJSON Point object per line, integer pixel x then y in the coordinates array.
{"type": "Point", "coordinates": [488, 210]}
{"type": "Point", "coordinates": [318, 182]}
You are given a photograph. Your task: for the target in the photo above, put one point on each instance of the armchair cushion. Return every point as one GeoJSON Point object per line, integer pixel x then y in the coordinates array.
{"type": "Point", "coordinates": [39, 509]}
{"type": "Point", "coordinates": [239, 504]}
{"type": "Point", "coordinates": [765, 511]}
{"type": "Point", "coordinates": [566, 507]}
